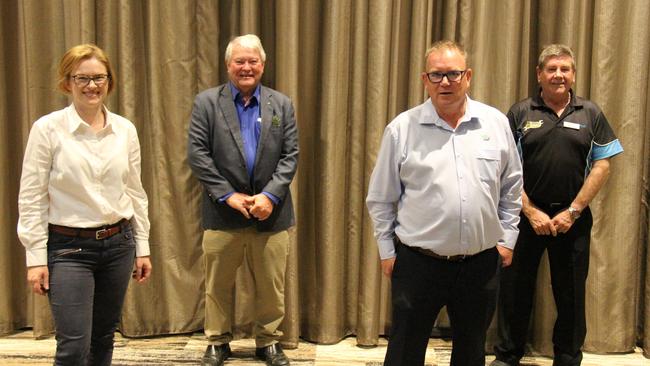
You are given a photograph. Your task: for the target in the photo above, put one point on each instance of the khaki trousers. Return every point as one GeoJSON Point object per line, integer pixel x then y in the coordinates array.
{"type": "Point", "coordinates": [266, 256]}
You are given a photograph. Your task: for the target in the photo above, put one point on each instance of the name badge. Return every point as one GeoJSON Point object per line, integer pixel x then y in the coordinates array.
{"type": "Point", "coordinates": [573, 125]}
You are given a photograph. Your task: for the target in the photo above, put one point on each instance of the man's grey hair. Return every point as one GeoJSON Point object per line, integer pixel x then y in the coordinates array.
{"type": "Point", "coordinates": [249, 41]}
{"type": "Point", "coordinates": [446, 45]}
{"type": "Point", "coordinates": [555, 50]}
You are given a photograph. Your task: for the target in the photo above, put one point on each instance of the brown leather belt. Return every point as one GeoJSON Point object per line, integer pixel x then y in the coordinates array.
{"type": "Point", "coordinates": [449, 258]}
{"type": "Point", "coordinates": [97, 233]}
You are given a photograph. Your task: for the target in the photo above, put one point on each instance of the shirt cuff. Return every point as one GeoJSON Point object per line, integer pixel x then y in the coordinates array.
{"type": "Point", "coordinates": [36, 257]}
{"type": "Point", "coordinates": [142, 248]}
{"type": "Point", "coordinates": [272, 197]}
{"type": "Point", "coordinates": [386, 249]}
{"type": "Point", "coordinates": [509, 239]}
{"type": "Point", "coordinates": [223, 198]}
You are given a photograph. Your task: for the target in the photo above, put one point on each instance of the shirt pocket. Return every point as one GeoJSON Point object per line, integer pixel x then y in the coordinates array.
{"type": "Point", "coordinates": [488, 162]}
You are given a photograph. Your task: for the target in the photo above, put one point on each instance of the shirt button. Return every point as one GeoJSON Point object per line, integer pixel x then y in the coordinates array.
{"type": "Point", "coordinates": [464, 221]}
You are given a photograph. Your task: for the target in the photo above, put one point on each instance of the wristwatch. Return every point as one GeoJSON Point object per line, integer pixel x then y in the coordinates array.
{"type": "Point", "coordinates": [574, 212]}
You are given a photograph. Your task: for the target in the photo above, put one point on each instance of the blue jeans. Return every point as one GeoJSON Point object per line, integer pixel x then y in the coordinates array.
{"type": "Point", "coordinates": [88, 282]}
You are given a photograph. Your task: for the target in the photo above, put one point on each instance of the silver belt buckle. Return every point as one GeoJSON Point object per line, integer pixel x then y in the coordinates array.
{"type": "Point", "coordinates": [101, 234]}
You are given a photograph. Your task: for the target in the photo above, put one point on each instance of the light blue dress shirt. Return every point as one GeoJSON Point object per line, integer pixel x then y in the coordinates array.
{"type": "Point", "coordinates": [451, 191]}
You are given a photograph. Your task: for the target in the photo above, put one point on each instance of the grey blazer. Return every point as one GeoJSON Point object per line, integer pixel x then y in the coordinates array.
{"type": "Point", "coordinates": [216, 155]}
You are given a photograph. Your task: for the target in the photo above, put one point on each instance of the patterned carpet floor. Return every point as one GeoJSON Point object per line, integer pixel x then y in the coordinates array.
{"type": "Point", "coordinates": [22, 349]}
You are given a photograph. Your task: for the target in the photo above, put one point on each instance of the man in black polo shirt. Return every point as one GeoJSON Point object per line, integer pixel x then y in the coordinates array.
{"type": "Point", "coordinates": [565, 144]}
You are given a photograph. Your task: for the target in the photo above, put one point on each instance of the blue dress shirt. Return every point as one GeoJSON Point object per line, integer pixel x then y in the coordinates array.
{"type": "Point", "coordinates": [250, 126]}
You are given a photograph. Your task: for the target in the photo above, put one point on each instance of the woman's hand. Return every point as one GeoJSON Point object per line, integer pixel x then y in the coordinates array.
{"type": "Point", "coordinates": [39, 279]}
{"type": "Point", "coordinates": [142, 270]}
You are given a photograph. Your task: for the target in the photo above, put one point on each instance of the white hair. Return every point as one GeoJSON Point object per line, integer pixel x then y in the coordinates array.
{"type": "Point", "coordinates": [250, 41]}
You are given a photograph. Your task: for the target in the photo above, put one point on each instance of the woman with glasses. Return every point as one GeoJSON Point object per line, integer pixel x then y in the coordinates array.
{"type": "Point", "coordinates": [83, 211]}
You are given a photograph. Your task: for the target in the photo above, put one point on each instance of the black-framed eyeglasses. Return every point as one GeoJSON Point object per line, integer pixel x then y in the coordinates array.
{"type": "Point", "coordinates": [453, 76]}
{"type": "Point", "coordinates": [83, 80]}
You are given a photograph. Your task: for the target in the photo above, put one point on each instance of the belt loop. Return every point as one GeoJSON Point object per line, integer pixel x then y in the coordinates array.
{"type": "Point", "coordinates": [124, 223]}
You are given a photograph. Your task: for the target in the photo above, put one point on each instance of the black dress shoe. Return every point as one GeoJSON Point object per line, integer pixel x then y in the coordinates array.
{"type": "Point", "coordinates": [215, 355]}
{"type": "Point", "coordinates": [272, 355]}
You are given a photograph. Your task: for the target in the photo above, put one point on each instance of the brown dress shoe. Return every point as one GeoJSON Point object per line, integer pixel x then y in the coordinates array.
{"type": "Point", "coordinates": [215, 355]}
{"type": "Point", "coordinates": [272, 355]}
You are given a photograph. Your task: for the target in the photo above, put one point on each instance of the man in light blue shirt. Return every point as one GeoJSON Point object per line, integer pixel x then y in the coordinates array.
{"type": "Point", "coordinates": [444, 198]}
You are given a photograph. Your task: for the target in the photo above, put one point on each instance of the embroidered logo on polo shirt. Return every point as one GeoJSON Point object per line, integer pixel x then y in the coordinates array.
{"type": "Point", "coordinates": [532, 124]}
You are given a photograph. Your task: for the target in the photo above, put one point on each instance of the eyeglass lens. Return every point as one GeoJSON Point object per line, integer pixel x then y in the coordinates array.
{"type": "Point", "coordinates": [454, 75]}
{"type": "Point", "coordinates": [83, 80]}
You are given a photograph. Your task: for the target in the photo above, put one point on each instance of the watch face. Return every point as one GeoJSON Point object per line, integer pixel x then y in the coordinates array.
{"type": "Point", "coordinates": [574, 213]}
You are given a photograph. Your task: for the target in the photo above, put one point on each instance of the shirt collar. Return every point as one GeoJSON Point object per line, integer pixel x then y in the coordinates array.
{"type": "Point", "coordinates": [538, 102]}
{"type": "Point", "coordinates": [236, 93]}
{"type": "Point", "coordinates": [430, 115]}
{"type": "Point", "coordinates": [75, 122]}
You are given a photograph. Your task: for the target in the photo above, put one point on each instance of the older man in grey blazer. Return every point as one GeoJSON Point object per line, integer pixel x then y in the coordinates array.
{"type": "Point", "coordinates": [243, 148]}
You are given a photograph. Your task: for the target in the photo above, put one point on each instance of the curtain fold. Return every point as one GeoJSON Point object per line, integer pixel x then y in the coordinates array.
{"type": "Point", "coordinates": [349, 67]}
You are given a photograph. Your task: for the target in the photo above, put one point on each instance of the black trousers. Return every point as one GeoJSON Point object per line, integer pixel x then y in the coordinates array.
{"type": "Point", "coordinates": [422, 285]}
{"type": "Point", "coordinates": [569, 263]}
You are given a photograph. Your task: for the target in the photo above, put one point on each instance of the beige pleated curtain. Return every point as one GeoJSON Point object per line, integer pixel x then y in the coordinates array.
{"type": "Point", "coordinates": [350, 66]}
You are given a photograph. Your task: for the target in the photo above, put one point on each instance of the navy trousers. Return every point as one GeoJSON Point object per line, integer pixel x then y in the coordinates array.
{"type": "Point", "coordinates": [88, 282]}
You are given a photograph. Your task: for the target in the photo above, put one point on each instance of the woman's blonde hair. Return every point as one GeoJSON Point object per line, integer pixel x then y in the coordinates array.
{"type": "Point", "coordinates": [74, 56]}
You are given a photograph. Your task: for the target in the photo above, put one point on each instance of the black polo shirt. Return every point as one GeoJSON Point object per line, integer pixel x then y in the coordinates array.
{"type": "Point", "coordinates": [557, 152]}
